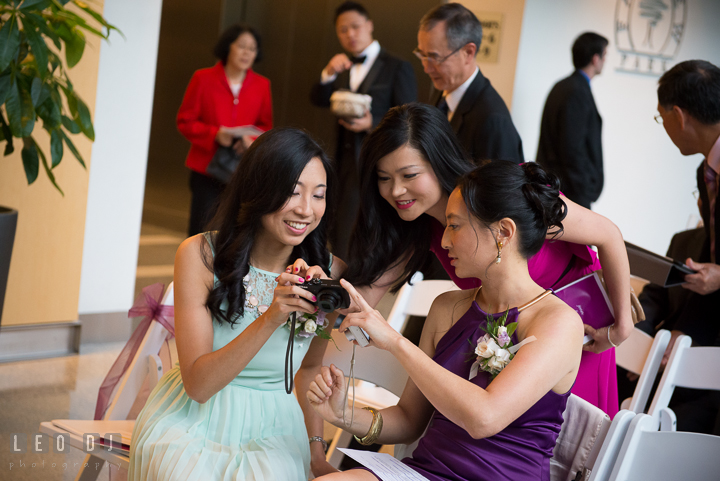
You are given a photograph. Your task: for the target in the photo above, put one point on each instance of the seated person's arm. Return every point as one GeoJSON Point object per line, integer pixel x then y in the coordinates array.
{"type": "Point", "coordinates": [550, 362]}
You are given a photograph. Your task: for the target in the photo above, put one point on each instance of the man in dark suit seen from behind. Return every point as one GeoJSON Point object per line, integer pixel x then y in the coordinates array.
{"type": "Point", "coordinates": [448, 41]}
{"type": "Point", "coordinates": [368, 69]}
{"type": "Point", "coordinates": [570, 132]}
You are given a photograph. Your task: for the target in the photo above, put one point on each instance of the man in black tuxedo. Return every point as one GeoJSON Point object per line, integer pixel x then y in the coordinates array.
{"type": "Point", "coordinates": [448, 40]}
{"type": "Point", "coordinates": [368, 69]}
{"type": "Point", "coordinates": [570, 132]}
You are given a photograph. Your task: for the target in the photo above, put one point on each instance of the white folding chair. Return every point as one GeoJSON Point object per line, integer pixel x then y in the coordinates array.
{"type": "Point", "coordinates": [609, 448]}
{"type": "Point", "coordinates": [374, 365]}
{"type": "Point", "coordinates": [647, 453]}
{"type": "Point", "coordinates": [582, 432]}
{"type": "Point", "coordinates": [415, 299]}
{"type": "Point", "coordinates": [145, 369]}
{"type": "Point", "coordinates": [641, 353]}
{"type": "Point", "coordinates": [689, 367]}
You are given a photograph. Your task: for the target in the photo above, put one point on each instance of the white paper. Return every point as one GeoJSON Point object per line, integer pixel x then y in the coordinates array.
{"type": "Point", "coordinates": [238, 132]}
{"type": "Point", "coordinates": [384, 466]}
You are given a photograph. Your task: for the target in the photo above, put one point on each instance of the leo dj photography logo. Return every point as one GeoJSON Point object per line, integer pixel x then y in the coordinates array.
{"type": "Point", "coordinates": [648, 34]}
{"type": "Point", "coordinates": [40, 443]}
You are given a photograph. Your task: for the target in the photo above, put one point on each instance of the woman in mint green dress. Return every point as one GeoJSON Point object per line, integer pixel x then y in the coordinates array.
{"type": "Point", "coordinates": [223, 412]}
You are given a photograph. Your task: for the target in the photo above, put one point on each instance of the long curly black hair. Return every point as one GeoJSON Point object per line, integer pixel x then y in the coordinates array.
{"type": "Point", "coordinates": [261, 185]}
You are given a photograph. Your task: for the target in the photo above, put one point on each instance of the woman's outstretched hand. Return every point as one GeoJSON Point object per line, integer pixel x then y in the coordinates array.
{"type": "Point", "coordinates": [381, 334]}
{"type": "Point", "coordinates": [327, 395]}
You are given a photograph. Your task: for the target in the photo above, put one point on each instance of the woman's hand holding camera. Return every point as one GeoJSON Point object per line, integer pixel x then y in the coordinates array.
{"type": "Point", "coordinates": [327, 395]}
{"type": "Point", "coordinates": [289, 297]}
{"type": "Point", "coordinates": [382, 335]}
{"type": "Point", "coordinates": [302, 269]}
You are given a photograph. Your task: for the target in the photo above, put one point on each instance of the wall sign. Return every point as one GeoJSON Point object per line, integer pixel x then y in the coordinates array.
{"type": "Point", "coordinates": [648, 34]}
{"type": "Point", "coordinates": [491, 28]}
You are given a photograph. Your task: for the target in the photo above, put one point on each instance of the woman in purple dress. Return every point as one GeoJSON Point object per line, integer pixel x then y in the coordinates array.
{"type": "Point", "coordinates": [410, 163]}
{"type": "Point", "coordinates": [480, 428]}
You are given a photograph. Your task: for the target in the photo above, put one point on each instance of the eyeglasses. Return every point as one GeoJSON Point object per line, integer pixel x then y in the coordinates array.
{"type": "Point", "coordinates": [658, 118]}
{"type": "Point", "coordinates": [434, 58]}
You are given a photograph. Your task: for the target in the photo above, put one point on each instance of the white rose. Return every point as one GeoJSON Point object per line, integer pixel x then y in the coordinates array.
{"type": "Point", "coordinates": [501, 330]}
{"type": "Point", "coordinates": [496, 363]}
{"type": "Point", "coordinates": [310, 326]}
{"type": "Point", "coordinates": [486, 347]}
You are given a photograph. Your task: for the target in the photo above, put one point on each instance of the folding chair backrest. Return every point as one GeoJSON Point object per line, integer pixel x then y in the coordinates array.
{"type": "Point", "coordinates": [584, 427]}
{"type": "Point", "coordinates": [145, 364]}
{"type": "Point", "coordinates": [641, 353]}
{"type": "Point", "coordinates": [371, 364]}
{"type": "Point", "coordinates": [610, 447]}
{"type": "Point", "coordinates": [689, 367]}
{"type": "Point", "coordinates": [666, 455]}
{"type": "Point", "coordinates": [415, 299]}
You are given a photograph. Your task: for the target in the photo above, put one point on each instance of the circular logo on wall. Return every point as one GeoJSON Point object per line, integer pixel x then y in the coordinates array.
{"type": "Point", "coordinates": [648, 34]}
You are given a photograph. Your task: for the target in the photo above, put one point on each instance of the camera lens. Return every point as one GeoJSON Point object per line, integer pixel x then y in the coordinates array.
{"type": "Point", "coordinates": [328, 300]}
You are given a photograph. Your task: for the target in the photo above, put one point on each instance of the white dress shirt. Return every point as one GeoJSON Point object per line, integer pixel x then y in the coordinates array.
{"type": "Point", "coordinates": [358, 71]}
{"type": "Point", "coordinates": [453, 98]}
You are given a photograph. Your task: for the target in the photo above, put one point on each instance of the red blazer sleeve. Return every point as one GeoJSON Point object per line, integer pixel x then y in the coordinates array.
{"type": "Point", "coordinates": [265, 115]}
{"type": "Point", "coordinates": [188, 117]}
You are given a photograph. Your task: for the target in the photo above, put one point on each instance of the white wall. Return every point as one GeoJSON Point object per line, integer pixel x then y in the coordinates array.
{"type": "Point", "coordinates": [123, 110]}
{"type": "Point", "coordinates": [648, 183]}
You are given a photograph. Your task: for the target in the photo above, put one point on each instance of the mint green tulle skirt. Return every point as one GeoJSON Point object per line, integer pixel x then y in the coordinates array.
{"type": "Point", "coordinates": [239, 434]}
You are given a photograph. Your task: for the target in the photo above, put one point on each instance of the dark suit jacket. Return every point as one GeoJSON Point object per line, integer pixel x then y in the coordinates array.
{"type": "Point", "coordinates": [390, 82]}
{"type": "Point", "coordinates": [570, 139]}
{"type": "Point", "coordinates": [705, 213]}
{"type": "Point", "coordinates": [483, 124]}
{"type": "Point", "coordinates": [665, 304]}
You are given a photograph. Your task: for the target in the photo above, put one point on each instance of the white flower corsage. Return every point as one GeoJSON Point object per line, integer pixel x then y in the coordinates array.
{"type": "Point", "coordinates": [311, 325]}
{"type": "Point", "coordinates": [495, 349]}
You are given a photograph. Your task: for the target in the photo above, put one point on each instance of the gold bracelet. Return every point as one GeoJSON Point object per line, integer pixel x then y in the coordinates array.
{"type": "Point", "coordinates": [375, 428]}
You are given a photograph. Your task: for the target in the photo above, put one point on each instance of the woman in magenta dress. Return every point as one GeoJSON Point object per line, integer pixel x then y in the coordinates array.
{"type": "Point", "coordinates": [410, 163]}
{"type": "Point", "coordinates": [480, 428]}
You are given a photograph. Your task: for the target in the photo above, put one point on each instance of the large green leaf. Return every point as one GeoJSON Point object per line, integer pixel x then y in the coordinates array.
{"type": "Point", "coordinates": [5, 83]}
{"type": "Point", "coordinates": [35, 4]}
{"type": "Point", "coordinates": [56, 147]}
{"type": "Point", "coordinates": [70, 125]}
{"type": "Point", "coordinates": [38, 47]}
{"type": "Point", "coordinates": [49, 111]}
{"type": "Point", "coordinates": [30, 160]}
{"type": "Point", "coordinates": [35, 91]}
{"type": "Point", "coordinates": [28, 111]}
{"type": "Point", "coordinates": [72, 148]}
{"type": "Point", "coordinates": [49, 173]}
{"type": "Point", "coordinates": [9, 41]}
{"type": "Point", "coordinates": [85, 120]}
{"type": "Point", "coordinates": [13, 108]}
{"type": "Point", "coordinates": [74, 42]}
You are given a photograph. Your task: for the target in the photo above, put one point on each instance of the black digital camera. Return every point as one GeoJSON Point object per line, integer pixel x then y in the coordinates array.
{"type": "Point", "coordinates": [330, 294]}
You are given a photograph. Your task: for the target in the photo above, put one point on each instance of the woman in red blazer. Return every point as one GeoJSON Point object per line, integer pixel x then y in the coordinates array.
{"type": "Point", "coordinates": [228, 94]}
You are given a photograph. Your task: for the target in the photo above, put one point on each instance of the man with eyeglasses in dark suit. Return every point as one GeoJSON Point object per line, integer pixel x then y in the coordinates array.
{"type": "Point", "coordinates": [448, 41]}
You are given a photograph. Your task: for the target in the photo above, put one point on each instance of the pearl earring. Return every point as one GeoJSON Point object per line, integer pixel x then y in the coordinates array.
{"type": "Point", "coordinates": [499, 256]}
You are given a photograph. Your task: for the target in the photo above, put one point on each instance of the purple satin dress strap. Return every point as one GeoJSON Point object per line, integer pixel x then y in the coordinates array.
{"type": "Point", "coordinates": [521, 451]}
{"type": "Point", "coordinates": [557, 264]}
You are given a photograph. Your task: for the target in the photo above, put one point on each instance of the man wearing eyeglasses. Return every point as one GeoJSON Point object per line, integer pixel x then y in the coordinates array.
{"type": "Point", "coordinates": [689, 109]}
{"type": "Point", "coordinates": [570, 143]}
{"type": "Point", "coordinates": [366, 68]}
{"type": "Point", "coordinates": [448, 41]}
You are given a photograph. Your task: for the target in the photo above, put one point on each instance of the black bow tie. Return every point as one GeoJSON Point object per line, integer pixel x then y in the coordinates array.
{"type": "Point", "coordinates": [358, 59]}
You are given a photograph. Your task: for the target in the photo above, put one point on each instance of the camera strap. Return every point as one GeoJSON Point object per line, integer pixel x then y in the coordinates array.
{"type": "Point", "coordinates": [289, 355]}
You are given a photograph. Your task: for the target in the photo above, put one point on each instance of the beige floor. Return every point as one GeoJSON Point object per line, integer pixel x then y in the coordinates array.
{"type": "Point", "coordinates": [66, 388]}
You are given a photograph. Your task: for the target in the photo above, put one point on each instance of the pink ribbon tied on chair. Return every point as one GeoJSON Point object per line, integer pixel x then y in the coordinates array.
{"type": "Point", "coordinates": [148, 305]}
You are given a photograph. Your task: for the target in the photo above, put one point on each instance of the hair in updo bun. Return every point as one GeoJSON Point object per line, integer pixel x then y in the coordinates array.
{"type": "Point", "coordinates": [525, 193]}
